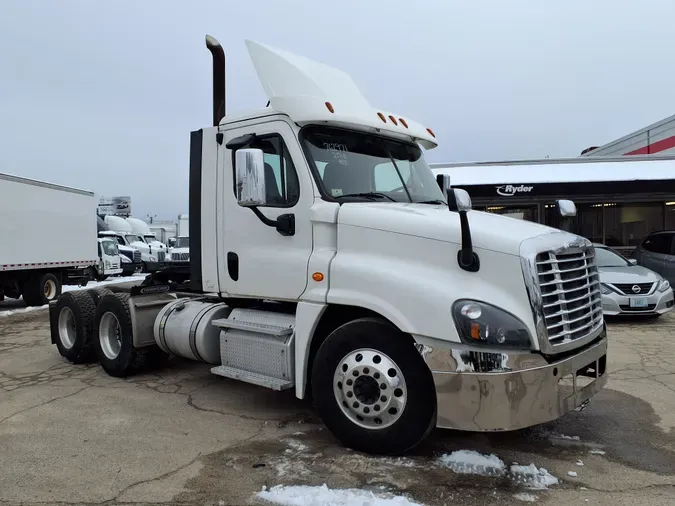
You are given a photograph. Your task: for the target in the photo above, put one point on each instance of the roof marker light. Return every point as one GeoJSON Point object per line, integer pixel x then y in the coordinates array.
{"type": "Point", "coordinates": [329, 106]}
{"type": "Point", "coordinates": [431, 132]}
{"type": "Point", "coordinates": [393, 120]}
{"type": "Point", "coordinates": [384, 120]}
{"type": "Point", "coordinates": [403, 122]}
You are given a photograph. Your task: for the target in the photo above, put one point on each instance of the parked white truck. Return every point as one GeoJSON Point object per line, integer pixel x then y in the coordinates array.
{"type": "Point", "coordinates": [152, 258]}
{"type": "Point", "coordinates": [325, 258]}
{"type": "Point", "coordinates": [48, 238]}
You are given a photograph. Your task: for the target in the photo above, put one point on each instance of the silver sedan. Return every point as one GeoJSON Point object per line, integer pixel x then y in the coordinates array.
{"type": "Point", "coordinates": [628, 288]}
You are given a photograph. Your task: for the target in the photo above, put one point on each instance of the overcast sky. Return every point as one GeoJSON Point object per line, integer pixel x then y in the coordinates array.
{"type": "Point", "coordinates": [103, 95]}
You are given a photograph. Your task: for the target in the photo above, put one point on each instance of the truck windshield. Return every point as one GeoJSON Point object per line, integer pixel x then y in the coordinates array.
{"type": "Point", "coordinates": [358, 166]}
{"type": "Point", "coordinates": [134, 238]}
{"type": "Point", "coordinates": [183, 242]}
{"type": "Point", "coordinates": [109, 247]}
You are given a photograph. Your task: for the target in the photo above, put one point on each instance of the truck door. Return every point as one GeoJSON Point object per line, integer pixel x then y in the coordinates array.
{"type": "Point", "coordinates": [255, 260]}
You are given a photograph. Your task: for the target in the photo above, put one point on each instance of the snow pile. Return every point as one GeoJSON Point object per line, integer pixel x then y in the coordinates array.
{"type": "Point", "coordinates": [471, 462]}
{"type": "Point", "coordinates": [532, 477]}
{"type": "Point", "coordinates": [572, 474]}
{"type": "Point", "coordinates": [303, 495]}
{"type": "Point", "coordinates": [21, 310]}
{"type": "Point", "coordinates": [525, 497]}
{"type": "Point", "coordinates": [74, 288]}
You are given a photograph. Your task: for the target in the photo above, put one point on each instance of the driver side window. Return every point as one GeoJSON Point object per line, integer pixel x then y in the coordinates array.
{"type": "Point", "coordinates": [387, 177]}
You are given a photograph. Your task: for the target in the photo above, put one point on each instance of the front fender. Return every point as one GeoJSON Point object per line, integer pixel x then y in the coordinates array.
{"type": "Point", "coordinates": [413, 281]}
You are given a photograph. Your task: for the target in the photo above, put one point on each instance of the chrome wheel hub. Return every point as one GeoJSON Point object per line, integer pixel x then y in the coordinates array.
{"type": "Point", "coordinates": [66, 326]}
{"type": "Point", "coordinates": [110, 335]}
{"type": "Point", "coordinates": [370, 388]}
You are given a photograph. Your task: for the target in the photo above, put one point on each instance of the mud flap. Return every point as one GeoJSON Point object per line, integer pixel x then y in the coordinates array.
{"type": "Point", "coordinates": [53, 323]}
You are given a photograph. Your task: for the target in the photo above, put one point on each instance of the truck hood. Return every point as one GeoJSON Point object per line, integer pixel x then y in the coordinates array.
{"type": "Point", "coordinates": [488, 231]}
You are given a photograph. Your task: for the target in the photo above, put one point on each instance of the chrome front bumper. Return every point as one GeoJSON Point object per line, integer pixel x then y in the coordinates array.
{"type": "Point", "coordinates": [482, 391]}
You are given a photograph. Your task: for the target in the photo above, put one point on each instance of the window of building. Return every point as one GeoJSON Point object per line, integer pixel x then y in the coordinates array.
{"type": "Point", "coordinates": [529, 213]}
{"type": "Point", "coordinates": [627, 224]}
{"type": "Point", "coordinates": [670, 216]}
{"type": "Point", "coordinates": [281, 179]}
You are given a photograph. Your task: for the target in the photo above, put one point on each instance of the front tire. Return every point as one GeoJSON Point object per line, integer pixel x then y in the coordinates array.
{"type": "Point", "coordinates": [372, 388]}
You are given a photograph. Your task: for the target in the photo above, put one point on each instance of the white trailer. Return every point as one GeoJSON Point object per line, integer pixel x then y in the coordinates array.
{"type": "Point", "coordinates": [183, 227]}
{"type": "Point", "coordinates": [325, 257]}
{"type": "Point", "coordinates": [48, 238]}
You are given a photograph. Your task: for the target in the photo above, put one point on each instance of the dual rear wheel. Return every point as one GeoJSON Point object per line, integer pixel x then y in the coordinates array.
{"type": "Point", "coordinates": [95, 325]}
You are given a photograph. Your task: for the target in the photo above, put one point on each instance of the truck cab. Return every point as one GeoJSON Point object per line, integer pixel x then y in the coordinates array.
{"type": "Point", "coordinates": [179, 253]}
{"type": "Point", "coordinates": [326, 258]}
{"type": "Point", "coordinates": [109, 262]}
{"type": "Point", "coordinates": [150, 257]}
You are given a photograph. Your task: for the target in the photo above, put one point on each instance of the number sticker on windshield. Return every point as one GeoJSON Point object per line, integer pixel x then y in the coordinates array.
{"type": "Point", "coordinates": [338, 150]}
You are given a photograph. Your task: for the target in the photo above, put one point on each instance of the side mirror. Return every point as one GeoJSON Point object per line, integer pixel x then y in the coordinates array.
{"type": "Point", "coordinates": [250, 177]}
{"type": "Point", "coordinates": [632, 261]}
{"type": "Point", "coordinates": [565, 208]}
{"type": "Point", "coordinates": [459, 200]}
{"type": "Point", "coordinates": [443, 181]}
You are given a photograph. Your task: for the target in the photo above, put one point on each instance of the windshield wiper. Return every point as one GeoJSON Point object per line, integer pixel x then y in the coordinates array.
{"type": "Point", "coordinates": [431, 202]}
{"type": "Point", "coordinates": [372, 195]}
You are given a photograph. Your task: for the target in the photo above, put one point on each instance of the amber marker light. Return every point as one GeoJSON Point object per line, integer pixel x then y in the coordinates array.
{"type": "Point", "coordinates": [317, 276]}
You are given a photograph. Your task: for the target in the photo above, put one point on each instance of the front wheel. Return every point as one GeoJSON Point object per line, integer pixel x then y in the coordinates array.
{"type": "Point", "coordinates": [372, 388]}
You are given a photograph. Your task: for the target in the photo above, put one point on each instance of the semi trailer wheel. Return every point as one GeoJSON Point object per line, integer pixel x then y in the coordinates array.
{"type": "Point", "coordinates": [113, 339]}
{"type": "Point", "coordinates": [41, 289]}
{"type": "Point", "coordinates": [75, 316]}
{"type": "Point", "coordinates": [372, 388]}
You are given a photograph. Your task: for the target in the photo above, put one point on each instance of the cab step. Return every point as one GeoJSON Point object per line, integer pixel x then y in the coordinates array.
{"type": "Point", "coordinates": [253, 378]}
{"type": "Point", "coordinates": [256, 347]}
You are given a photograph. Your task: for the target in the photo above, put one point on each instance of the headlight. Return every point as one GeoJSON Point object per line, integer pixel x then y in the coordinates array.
{"type": "Point", "coordinates": [664, 285]}
{"type": "Point", "coordinates": [482, 324]}
{"type": "Point", "coordinates": [152, 259]}
{"type": "Point", "coordinates": [605, 289]}
{"type": "Point", "coordinates": [125, 259]}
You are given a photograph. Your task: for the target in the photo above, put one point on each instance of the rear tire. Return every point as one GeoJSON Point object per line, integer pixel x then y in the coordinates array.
{"type": "Point", "coordinates": [97, 293]}
{"type": "Point", "coordinates": [75, 316]}
{"type": "Point", "coordinates": [41, 289]}
{"type": "Point", "coordinates": [350, 369]}
{"type": "Point", "coordinates": [113, 339]}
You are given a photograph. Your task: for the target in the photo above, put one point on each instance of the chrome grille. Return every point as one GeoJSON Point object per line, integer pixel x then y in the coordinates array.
{"type": "Point", "coordinates": [137, 256]}
{"type": "Point", "coordinates": [184, 257]}
{"type": "Point", "coordinates": [570, 288]}
{"type": "Point", "coordinates": [627, 288]}
{"type": "Point", "coordinates": [161, 256]}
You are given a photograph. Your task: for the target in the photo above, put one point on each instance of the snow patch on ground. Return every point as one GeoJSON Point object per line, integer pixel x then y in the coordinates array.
{"type": "Point", "coordinates": [302, 495]}
{"type": "Point", "coordinates": [74, 288]}
{"type": "Point", "coordinates": [471, 462]}
{"type": "Point", "coordinates": [525, 497]}
{"type": "Point", "coordinates": [572, 474]}
{"type": "Point", "coordinates": [532, 477]}
{"type": "Point", "coordinates": [597, 452]}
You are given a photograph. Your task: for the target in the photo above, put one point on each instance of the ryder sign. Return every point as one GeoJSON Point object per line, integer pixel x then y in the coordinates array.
{"type": "Point", "coordinates": [509, 190]}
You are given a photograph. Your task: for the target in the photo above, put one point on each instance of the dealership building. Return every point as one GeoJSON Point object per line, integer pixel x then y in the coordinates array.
{"type": "Point", "coordinates": [623, 190]}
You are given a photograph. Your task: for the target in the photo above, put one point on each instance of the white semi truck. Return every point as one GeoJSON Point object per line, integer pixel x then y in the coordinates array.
{"type": "Point", "coordinates": [327, 259]}
{"type": "Point", "coordinates": [48, 238]}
